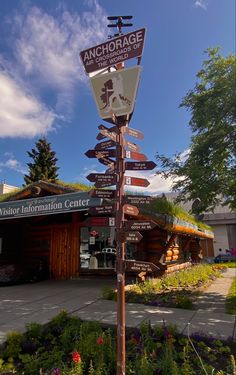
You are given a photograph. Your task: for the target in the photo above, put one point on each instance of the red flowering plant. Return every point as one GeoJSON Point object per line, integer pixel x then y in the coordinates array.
{"type": "Point", "coordinates": [77, 363]}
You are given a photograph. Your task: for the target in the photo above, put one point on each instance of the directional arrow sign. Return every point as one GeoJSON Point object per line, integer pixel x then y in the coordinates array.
{"type": "Point", "coordinates": [101, 177]}
{"type": "Point", "coordinates": [133, 133]}
{"type": "Point", "coordinates": [138, 199]}
{"type": "Point", "coordinates": [132, 146]}
{"type": "Point", "coordinates": [133, 237]}
{"type": "Point", "coordinates": [107, 161]}
{"type": "Point", "coordinates": [100, 154]}
{"type": "Point", "coordinates": [106, 133]}
{"type": "Point", "coordinates": [140, 166]}
{"type": "Point", "coordinates": [139, 225]}
{"type": "Point", "coordinates": [101, 210]}
{"type": "Point", "coordinates": [105, 194]}
{"type": "Point", "coordinates": [100, 222]}
{"type": "Point", "coordinates": [137, 266]}
{"type": "Point", "coordinates": [104, 145]}
{"type": "Point", "coordinates": [136, 181]}
{"type": "Point", "coordinates": [130, 210]}
{"type": "Point", "coordinates": [135, 155]}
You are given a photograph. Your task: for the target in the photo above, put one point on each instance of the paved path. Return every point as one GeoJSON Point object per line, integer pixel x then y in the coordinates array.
{"type": "Point", "coordinates": [41, 301]}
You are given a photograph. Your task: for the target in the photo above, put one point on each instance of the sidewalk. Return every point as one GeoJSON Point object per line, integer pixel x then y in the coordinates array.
{"type": "Point", "coordinates": [22, 304]}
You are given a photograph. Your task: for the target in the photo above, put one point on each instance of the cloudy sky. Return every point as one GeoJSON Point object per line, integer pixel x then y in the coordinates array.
{"type": "Point", "coordinates": [44, 90]}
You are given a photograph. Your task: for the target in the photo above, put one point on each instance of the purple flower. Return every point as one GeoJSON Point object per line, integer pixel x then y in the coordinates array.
{"type": "Point", "coordinates": [56, 371]}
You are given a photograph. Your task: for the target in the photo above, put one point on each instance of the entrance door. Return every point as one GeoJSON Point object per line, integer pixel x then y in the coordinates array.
{"type": "Point", "coordinates": [64, 252]}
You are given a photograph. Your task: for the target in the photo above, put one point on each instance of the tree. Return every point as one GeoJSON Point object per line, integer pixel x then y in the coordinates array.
{"type": "Point", "coordinates": [209, 170]}
{"type": "Point", "coordinates": [44, 165]}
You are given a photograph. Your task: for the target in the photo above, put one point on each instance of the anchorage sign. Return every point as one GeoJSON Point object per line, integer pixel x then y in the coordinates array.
{"type": "Point", "coordinates": [113, 51]}
{"type": "Point", "coordinates": [47, 205]}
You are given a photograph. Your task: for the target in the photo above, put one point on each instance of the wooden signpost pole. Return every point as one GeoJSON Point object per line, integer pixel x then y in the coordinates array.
{"type": "Point", "coordinates": [120, 254]}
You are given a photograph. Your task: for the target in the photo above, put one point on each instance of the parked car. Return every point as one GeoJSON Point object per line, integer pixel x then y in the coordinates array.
{"type": "Point", "coordinates": [221, 258]}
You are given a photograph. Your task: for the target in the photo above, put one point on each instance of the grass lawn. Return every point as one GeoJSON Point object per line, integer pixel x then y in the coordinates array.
{"type": "Point", "coordinates": [231, 299]}
{"type": "Point", "coordinates": [228, 264]}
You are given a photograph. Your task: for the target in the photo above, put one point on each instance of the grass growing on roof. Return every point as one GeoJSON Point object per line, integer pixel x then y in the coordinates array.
{"type": "Point", "coordinates": [75, 185]}
{"type": "Point", "coordinates": [163, 206]}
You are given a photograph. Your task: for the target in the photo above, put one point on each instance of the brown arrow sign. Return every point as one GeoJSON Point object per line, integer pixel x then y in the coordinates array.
{"type": "Point", "coordinates": [100, 154]}
{"type": "Point", "coordinates": [138, 199]}
{"type": "Point", "coordinates": [105, 194]}
{"type": "Point", "coordinates": [134, 133]}
{"type": "Point", "coordinates": [140, 166]}
{"type": "Point", "coordinates": [130, 210]}
{"type": "Point", "coordinates": [107, 161]}
{"type": "Point", "coordinates": [104, 145]}
{"type": "Point", "coordinates": [106, 132]}
{"type": "Point", "coordinates": [139, 225]}
{"type": "Point", "coordinates": [135, 181]}
{"type": "Point", "coordinates": [132, 146]}
{"type": "Point", "coordinates": [100, 222]}
{"type": "Point", "coordinates": [138, 266]}
{"type": "Point", "coordinates": [135, 155]}
{"type": "Point", "coordinates": [101, 177]}
{"type": "Point", "coordinates": [101, 210]}
{"type": "Point", "coordinates": [133, 237]}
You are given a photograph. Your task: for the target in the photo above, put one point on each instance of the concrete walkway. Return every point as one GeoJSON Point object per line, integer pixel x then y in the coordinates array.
{"type": "Point", "coordinates": [39, 302]}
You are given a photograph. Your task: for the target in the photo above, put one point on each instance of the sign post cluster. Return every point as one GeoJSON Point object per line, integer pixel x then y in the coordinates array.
{"type": "Point", "coordinates": [115, 90]}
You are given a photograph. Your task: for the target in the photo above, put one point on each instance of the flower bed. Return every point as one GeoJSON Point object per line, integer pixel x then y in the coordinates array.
{"type": "Point", "coordinates": [178, 289]}
{"type": "Point", "coordinates": [68, 346]}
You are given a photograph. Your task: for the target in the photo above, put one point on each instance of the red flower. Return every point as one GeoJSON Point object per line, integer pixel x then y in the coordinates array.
{"type": "Point", "coordinates": [76, 357]}
{"type": "Point", "coordinates": [100, 340]}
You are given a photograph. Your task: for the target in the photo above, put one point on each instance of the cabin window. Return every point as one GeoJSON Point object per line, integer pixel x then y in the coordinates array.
{"type": "Point", "coordinates": [98, 248]}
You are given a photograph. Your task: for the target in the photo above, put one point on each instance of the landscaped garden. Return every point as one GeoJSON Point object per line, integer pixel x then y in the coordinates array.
{"type": "Point", "coordinates": [68, 346]}
{"type": "Point", "coordinates": [178, 289]}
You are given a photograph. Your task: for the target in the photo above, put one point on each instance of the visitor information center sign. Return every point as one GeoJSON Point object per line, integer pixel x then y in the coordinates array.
{"type": "Point", "coordinates": [113, 51]}
{"type": "Point", "coordinates": [48, 205]}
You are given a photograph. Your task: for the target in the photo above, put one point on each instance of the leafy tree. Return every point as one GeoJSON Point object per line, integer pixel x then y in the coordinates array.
{"type": "Point", "coordinates": [208, 172]}
{"type": "Point", "coordinates": [44, 165]}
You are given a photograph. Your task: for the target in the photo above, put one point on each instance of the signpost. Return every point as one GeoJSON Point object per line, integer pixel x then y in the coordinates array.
{"type": "Point", "coordinates": [115, 94]}
{"type": "Point", "coordinates": [143, 182]}
{"type": "Point", "coordinates": [139, 225]}
{"type": "Point", "coordinates": [130, 210]}
{"type": "Point", "coordinates": [140, 166]}
{"type": "Point", "coordinates": [137, 266]}
{"type": "Point", "coordinates": [115, 50]}
{"type": "Point", "coordinates": [133, 237]}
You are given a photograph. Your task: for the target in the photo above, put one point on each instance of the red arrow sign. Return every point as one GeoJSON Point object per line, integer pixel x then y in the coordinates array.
{"type": "Point", "coordinates": [138, 266]}
{"type": "Point", "coordinates": [104, 145]}
{"type": "Point", "coordinates": [100, 154]}
{"type": "Point", "coordinates": [101, 210]}
{"type": "Point", "coordinates": [143, 182]}
{"type": "Point", "coordinates": [135, 155]}
{"type": "Point", "coordinates": [105, 194]}
{"type": "Point", "coordinates": [130, 210]}
{"type": "Point", "coordinates": [134, 133]}
{"type": "Point", "coordinates": [140, 166]}
{"type": "Point", "coordinates": [101, 177]}
{"type": "Point", "coordinates": [139, 225]}
{"type": "Point", "coordinates": [133, 237]}
{"type": "Point", "coordinates": [132, 146]}
{"type": "Point", "coordinates": [100, 221]}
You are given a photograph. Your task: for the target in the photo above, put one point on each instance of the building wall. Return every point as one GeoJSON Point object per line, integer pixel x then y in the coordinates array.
{"type": "Point", "coordinates": [221, 238]}
{"type": "Point", "coordinates": [4, 188]}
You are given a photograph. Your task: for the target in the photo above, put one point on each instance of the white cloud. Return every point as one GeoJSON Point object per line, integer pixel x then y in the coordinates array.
{"type": "Point", "coordinates": [12, 164]}
{"type": "Point", "coordinates": [21, 114]}
{"type": "Point", "coordinates": [48, 46]}
{"type": "Point", "coordinates": [201, 4]}
{"type": "Point", "coordinates": [157, 185]}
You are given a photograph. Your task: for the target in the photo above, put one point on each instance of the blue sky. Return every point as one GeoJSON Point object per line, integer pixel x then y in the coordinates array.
{"type": "Point", "coordinates": [45, 91]}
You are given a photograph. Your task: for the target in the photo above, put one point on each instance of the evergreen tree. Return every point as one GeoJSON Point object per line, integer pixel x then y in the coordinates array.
{"type": "Point", "coordinates": [43, 166]}
{"type": "Point", "coordinates": [209, 170]}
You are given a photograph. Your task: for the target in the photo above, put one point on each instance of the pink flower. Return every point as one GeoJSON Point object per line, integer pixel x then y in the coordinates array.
{"type": "Point", "coordinates": [76, 357]}
{"type": "Point", "coordinates": [100, 340]}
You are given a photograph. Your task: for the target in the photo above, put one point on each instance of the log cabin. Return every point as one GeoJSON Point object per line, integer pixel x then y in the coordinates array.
{"type": "Point", "coordinates": [48, 226]}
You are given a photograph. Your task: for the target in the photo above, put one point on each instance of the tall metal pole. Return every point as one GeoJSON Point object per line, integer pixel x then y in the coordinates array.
{"type": "Point", "coordinates": [120, 170]}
